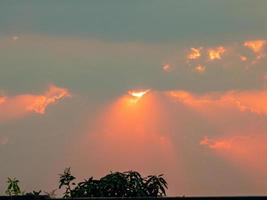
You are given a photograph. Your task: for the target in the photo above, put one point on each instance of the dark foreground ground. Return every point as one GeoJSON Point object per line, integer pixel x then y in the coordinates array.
{"type": "Point", "coordinates": [139, 198]}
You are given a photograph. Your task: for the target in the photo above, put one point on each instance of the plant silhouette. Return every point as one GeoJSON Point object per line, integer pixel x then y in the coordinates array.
{"type": "Point", "coordinates": [13, 187]}
{"type": "Point", "coordinates": [65, 180]}
{"type": "Point", "coordinates": [115, 184]}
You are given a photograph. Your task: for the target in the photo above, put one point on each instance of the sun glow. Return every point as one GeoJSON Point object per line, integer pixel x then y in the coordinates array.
{"type": "Point", "coordinates": [133, 133]}
{"type": "Point", "coordinates": [138, 94]}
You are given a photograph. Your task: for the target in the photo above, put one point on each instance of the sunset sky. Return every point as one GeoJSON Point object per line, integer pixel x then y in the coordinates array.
{"type": "Point", "coordinates": [177, 87]}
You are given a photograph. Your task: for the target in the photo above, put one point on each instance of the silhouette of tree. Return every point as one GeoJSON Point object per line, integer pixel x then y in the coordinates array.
{"type": "Point", "coordinates": [13, 187]}
{"type": "Point", "coordinates": [115, 184]}
{"type": "Point", "coordinates": [65, 180]}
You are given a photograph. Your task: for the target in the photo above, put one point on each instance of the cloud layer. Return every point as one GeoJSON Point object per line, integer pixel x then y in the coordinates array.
{"type": "Point", "coordinates": [186, 111]}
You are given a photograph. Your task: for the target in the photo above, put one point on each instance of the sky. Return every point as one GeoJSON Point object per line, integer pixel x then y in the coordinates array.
{"type": "Point", "coordinates": [175, 87]}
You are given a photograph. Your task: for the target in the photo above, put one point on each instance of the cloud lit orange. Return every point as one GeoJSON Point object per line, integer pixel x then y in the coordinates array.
{"type": "Point", "coordinates": [243, 58]}
{"type": "Point", "coordinates": [244, 101]}
{"type": "Point", "coordinates": [217, 144]}
{"type": "Point", "coordinates": [216, 53]}
{"type": "Point", "coordinates": [194, 53]}
{"type": "Point", "coordinates": [200, 69]}
{"type": "Point", "coordinates": [244, 150]}
{"type": "Point", "coordinates": [166, 67]}
{"type": "Point", "coordinates": [18, 106]}
{"type": "Point", "coordinates": [40, 103]}
{"type": "Point", "coordinates": [256, 46]}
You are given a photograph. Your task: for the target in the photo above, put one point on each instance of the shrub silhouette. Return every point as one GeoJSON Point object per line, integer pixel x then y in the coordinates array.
{"type": "Point", "coordinates": [115, 184]}
{"type": "Point", "coordinates": [13, 187]}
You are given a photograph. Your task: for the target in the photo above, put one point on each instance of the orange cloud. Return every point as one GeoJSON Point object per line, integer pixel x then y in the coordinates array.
{"type": "Point", "coordinates": [244, 101]}
{"type": "Point", "coordinates": [18, 106]}
{"type": "Point", "coordinates": [217, 144]}
{"type": "Point", "coordinates": [200, 69]}
{"type": "Point", "coordinates": [167, 67]}
{"type": "Point", "coordinates": [194, 53]}
{"type": "Point", "coordinates": [244, 150]}
{"type": "Point", "coordinates": [256, 46]}
{"type": "Point", "coordinates": [39, 103]}
{"type": "Point", "coordinates": [2, 99]}
{"type": "Point", "coordinates": [243, 58]}
{"type": "Point", "coordinates": [216, 53]}
{"type": "Point", "coordinates": [234, 55]}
